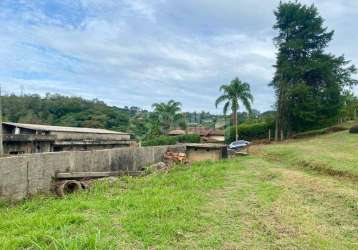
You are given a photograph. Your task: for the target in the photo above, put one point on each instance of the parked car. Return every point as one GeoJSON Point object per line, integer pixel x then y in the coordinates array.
{"type": "Point", "coordinates": [240, 144]}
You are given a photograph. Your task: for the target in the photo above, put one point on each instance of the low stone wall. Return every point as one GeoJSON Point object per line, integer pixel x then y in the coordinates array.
{"type": "Point", "coordinates": [27, 175]}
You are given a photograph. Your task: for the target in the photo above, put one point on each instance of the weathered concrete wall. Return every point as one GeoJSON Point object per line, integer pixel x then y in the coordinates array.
{"type": "Point", "coordinates": [26, 175]}
{"type": "Point", "coordinates": [91, 136]}
{"type": "Point", "coordinates": [201, 154]}
{"type": "Point", "coordinates": [26, 147]}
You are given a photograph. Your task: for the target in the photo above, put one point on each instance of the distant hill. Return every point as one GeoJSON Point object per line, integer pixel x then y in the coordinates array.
{"type": "Point", "coordinates": [59, 110]}
{"type": "Point", "coordinates": [64, 111]}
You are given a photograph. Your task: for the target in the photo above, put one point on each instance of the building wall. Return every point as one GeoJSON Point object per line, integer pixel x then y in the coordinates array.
{"type": "Point", "coordinates": [26, 147]}
{"type": "Point", "coordinates": [87, 147]}
{"type": "Point", "coordinates": [17, 148]}
{"type": "Point", "coordinates": [30, 145]}
{"type": "Point", "coordinates": [63, 136]}
{"type": "Point", "coordinates": [202, 154]}
{"type": "Point", "coordinates": [26, 175]}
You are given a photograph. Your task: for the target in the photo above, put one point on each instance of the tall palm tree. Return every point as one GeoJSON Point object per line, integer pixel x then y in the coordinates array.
{"type": "Point", "coordinates": [168, 114]}
{"type": "Point", "coordinates": [234, 93]}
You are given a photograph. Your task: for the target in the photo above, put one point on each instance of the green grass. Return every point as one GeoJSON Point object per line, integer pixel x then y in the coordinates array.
{"type": "Point", "coordinates": [335, 154]}
{"type": "Point", "coordinates": [264, 201]}
{"type": "Point", "coordinates": [135, 212]}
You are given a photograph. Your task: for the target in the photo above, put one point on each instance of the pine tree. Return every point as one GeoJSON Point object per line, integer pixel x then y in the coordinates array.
{"type": "Point", "coordinates": [308, 81]}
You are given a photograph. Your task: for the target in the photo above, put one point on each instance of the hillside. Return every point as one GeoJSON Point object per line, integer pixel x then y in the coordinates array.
{"type": "Point", "coordinates": [269, 200]}
{"type": "Point", "coordinates": [65, 111]}
{"type": "Point", "coordinates": [59, 110]}
{"type": "Point", "coordinates": [332, 154]}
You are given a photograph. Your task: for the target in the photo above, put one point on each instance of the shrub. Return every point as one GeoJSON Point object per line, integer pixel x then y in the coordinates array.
{"type": "Point", "coordinates": [255, 131]}
{"type": "Point", "coordinates": [354, 130]}
{"type": "Point", "coordinates": [191, 138]}
{"type": "Point", "coordinates": [161, 140]}
{"type": "Point", "coordinates": [171, 140]}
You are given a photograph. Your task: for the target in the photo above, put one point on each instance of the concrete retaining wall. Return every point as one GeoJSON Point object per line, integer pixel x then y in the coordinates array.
{"type": "Point", "coordinates": [26, 175]}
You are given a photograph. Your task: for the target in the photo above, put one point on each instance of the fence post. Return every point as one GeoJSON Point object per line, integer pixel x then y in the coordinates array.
{"type": "Point", "coordinates": [269, 135]}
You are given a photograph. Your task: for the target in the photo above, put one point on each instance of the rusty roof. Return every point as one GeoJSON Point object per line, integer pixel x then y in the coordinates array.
{"type": "Point", "coordinates": [177, 132]}
{"type": "Point", "coordinates": [63, 129]}
{"type": "Point", "coordinates": [206, 131]}
{"type": "Point", "coordinates": [205, 145]}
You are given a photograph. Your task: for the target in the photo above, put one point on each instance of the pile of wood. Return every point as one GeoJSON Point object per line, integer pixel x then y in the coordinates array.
{"type": "Point", "coordinates": [175, 158]}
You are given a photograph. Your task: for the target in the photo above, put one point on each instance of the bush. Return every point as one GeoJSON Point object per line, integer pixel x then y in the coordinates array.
{"type": "Point", "coordinates": [171, 140]}
{"type": "Point", "coordinates": [255, 131]}
{"type": "Point", "coordinates": [161, 140]}
{"type": "Point", "coordinates": [191, 138]}
{"type": "Point", "coordinates": [354, 130]}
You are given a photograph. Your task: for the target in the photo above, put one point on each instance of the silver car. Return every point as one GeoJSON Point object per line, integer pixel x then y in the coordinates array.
{"type": "Point", "coordinates": [240, 144]}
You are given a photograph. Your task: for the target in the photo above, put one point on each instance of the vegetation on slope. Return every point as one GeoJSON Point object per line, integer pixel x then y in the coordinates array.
{"type": "Point", "coordinates": [78, 112]}
{"type": "Point", "coordinates": [64, 111]}
{"type": "Point", "coordinates": [334, 154]}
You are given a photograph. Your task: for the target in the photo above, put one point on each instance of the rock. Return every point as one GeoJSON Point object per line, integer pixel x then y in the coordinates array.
{"type": "Point", "coordinates": [110, 179]}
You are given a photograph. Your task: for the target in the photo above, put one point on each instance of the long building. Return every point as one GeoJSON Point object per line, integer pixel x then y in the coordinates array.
{"type": "Point", "coordinates": [21, 138]}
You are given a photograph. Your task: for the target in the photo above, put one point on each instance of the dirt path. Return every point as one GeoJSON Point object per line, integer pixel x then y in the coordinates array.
{"type": "Point", "coordinates": [267, 206]}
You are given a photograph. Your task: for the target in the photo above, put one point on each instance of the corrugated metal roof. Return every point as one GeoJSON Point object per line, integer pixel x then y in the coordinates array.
{"type": "Point", "coordinates": [205, 145]}
{"type": "Point", "coordinates": [177, 132]}
{"type": "Point", "coordinates": [206, 131]}
{"type": "Point", "coordinates": [63, 129]}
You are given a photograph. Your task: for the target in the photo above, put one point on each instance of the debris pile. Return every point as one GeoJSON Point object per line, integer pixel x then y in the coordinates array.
{"type": "Point", "coordinates": [160, 166]}
{"type": "Point", "coordinates": [175, 158]}
{"type": "Point", "coordinates": [170, 159]}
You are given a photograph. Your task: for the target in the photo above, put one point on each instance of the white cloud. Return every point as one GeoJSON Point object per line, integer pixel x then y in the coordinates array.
{"type": "Point", "coordinates": [139, 52]}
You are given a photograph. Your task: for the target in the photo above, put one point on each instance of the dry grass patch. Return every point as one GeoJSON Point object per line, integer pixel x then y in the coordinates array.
{"type": "Point", "coordinates": [269, 207]}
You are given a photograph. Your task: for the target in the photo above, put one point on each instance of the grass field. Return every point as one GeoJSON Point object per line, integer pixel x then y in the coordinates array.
{"type": "Point", "coordinates": [300, 195]}
{"type": "Point", "coordinates": [335, 154]}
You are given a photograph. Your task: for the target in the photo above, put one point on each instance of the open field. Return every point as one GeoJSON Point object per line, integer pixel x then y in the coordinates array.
{"type": "Point", "coordinates": [270, 200]}
{"type": "Point", "coordinates": [335, 154]}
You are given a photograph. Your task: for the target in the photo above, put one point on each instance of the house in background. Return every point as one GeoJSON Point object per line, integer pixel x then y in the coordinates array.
{"type": "Point", "coordinates": [207, 135]}
{"type": "Point", "coordinates": [176, 132]}
{"type": "Point", "coordinates": [21, 138]}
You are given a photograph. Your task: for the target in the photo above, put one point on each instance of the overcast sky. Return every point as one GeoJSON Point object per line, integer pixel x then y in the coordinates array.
{"type": "Point", "coordinates": [137, 52]}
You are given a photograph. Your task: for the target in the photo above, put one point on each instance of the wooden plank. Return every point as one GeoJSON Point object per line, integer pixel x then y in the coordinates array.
{"type": "Point", "coordinates": [80, 175]}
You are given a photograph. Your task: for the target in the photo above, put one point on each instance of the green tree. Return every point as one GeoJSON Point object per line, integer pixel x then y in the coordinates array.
{"type": "Point", "coordinates": [152, 126]}
{"type": "Point", "coordinates": [233, 93]}
{"type": "Point", "coordinates": [308, 82]}
{"type": "Point", "coordinates": [64, 111]}
{"type": "Point", "coordinates": [168, 114]}
{"type": "Point", "coordinates": [350, 106]}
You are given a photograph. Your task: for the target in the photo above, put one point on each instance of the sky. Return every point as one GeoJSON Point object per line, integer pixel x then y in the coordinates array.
{"type": "Point", "coordinates": [138, 52]}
